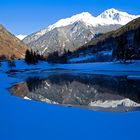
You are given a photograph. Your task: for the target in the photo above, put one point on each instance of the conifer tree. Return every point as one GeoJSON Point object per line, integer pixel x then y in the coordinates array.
{"type": "Point", "coordinates": [31, 57]}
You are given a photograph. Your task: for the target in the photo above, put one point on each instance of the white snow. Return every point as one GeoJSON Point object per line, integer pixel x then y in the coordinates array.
{"type": "Point", "coordinates": [113, 16]}
{"type": "Point", "coordinates": [84, 17]}
{"type": "Point", "coordinates": [21, 37]}
{"type": "Point", "coordinates": [114, 103]}
{"type": "Point", "coordinates": [108, 17]}
{"type": "Point", "coordinates": [27, 98]}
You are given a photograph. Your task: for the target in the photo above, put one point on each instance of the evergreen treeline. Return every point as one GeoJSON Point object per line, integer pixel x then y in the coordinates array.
{"type": "Point", "coordinates": [137, 44]}
{"type": "Point", "coordinates": [128, 49]}
{"type": "Point", "coordinates": [32, 57]}
{"type": "Point", "coordinates": [123, 52]}
{"type": "Point", "coordinates": [56, 58]}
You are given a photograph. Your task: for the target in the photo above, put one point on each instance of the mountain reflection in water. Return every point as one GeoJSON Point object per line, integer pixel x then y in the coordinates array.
{"type": "Point", "coordinates": [98, 92]}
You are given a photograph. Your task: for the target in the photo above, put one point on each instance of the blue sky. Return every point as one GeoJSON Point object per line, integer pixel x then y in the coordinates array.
{"type": "Point", "coordinates": [27, 16]}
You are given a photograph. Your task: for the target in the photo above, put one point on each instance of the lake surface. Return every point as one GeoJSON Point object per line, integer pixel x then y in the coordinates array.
{"type": "Point", "coordinates": [92, 91]}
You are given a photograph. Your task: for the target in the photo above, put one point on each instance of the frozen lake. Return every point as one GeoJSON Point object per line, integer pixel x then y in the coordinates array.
{"type": "Point", "coordinates": [70, 105]}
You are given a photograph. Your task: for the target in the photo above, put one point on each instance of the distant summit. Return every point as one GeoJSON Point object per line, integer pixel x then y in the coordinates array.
{"type": "Point", "coordinates": [21, 37]}
{"type": "Point", "coordinates": [113, 16]}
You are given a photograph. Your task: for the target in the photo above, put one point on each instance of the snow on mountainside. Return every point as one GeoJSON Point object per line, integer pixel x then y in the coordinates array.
{"type": "Point", "coordinates": [21, 37]}
{"type": "Point", "coordinates": [110, 16]}
{"type": "Point", "coordinates": [84, 17]}
{"type": "Point", "coordinates": [73, 32]}
{"type": "Point", "coordinates": [113, 16]}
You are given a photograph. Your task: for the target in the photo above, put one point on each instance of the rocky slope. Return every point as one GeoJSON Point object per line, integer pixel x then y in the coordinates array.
{"type": "Point", "coordinates": [71, 33]}
{"type": "Point", "coordinates": [10, 45]}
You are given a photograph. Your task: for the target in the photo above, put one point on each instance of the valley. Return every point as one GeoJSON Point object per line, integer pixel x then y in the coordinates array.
{"type": "Point", "coordinates": [69, 75]}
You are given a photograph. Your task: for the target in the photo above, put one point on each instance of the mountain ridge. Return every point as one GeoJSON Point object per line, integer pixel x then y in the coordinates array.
{"type": "Point", "coordinates": [84, 16]}
{"type": "Point", "coordinates": [10, 45]}
{"type": "Point", "coordinates": [88, 26]}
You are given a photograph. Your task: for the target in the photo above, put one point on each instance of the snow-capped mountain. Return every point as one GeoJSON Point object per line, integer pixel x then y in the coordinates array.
{"type": "Point", "coordinates": [110, 16]}
{"type": "Point", "coordinates": [85, 17]}
{"type": "Point", "coordinates": [21, 37]}
{"type": "Point", "coordinates": [73, 32]}
{"type": "Point", "coordinates": [113, 16]}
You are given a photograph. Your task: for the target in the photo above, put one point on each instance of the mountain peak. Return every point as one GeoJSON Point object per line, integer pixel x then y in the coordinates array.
{"type": "Point", "coordinates": [75, 31]}
{"type": "Point", "coordinates": [116, 17]}
{"type": "Point", "coordinates": [84, 16]}
{"type": "Point", "coordinates": [111, 11]}
{"type": "Point", "coordinates": [108, 17]}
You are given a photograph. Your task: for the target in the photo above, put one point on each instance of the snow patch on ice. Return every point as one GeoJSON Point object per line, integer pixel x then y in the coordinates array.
{"type": "Point", "coordinates": [26, 98]}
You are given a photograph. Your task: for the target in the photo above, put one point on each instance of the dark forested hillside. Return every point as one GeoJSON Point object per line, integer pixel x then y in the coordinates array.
{"type": "Point", "coordinates": [124, 42]}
